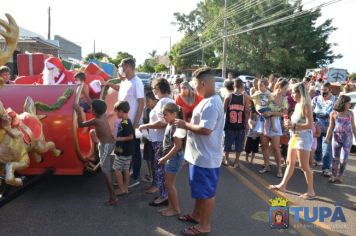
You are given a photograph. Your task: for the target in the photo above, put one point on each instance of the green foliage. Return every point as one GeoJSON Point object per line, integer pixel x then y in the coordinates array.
{"type": "Point", "coordinates": [160, 68]}
{"type": "Point", "coordinates": [353, 75]}
{"type": "Point", "coordinates": [287, 48]}
{"type": "Point", "coordinates": [97, 55]}
{"type": "Point", "coordinates": [119, 56]}
{"type": "Point", "coordinates": [147, 66]}
{"type": "Point", "coordinates": [57, 105]}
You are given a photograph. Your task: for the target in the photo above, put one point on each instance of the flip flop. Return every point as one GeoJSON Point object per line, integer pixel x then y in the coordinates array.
{"type": "Point", "coordinates": [193, 231]}
{"type": "Point", "coordinates": [306, 196]}
{"type": "Point", "coordinates": [188, 218]}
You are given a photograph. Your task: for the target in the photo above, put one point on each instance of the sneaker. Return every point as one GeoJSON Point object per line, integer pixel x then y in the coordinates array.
{"type": "Point", "coordinates": [134, 183]}
{"type": "Point", "coordinates": [326, 173]}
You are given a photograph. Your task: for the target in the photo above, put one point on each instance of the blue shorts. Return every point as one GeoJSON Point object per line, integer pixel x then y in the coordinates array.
{"type": "Point", "coordinates": [173, 165]}
{"type": "Point", "coordinates": [203, 181]}
{"type": "Point", "coordinates": [236, 137]}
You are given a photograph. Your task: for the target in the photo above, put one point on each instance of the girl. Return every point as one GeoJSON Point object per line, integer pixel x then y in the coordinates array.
{"type": "Point", "coordinates": [253, 138]}
{"type": "Point", "coordinates": [300, 143]}
{"type": "Point", "coordinates": [173, 158]}
{"type": "Point", "coordinates": [316, 134]}
{"type": "Point", "coordinates": [342, 126]}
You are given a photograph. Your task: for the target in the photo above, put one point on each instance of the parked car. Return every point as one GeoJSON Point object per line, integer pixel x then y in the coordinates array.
{"type": "Point", "coordinates": [246, 78]}
{"type": "Point", "coordinates": [219, 83]}
{"type": "Point", "coordinates": [146, 79]}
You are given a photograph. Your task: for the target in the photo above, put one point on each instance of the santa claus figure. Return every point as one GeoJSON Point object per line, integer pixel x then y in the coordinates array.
{"type": "Point", "coordinates": [55, 73]}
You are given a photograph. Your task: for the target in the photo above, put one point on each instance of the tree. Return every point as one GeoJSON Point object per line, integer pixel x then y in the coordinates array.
{"type": "Point", "coordinates": [97, 56]}
{"type": "Point", "coordinates": [119, 56]}
{"type": "Point", "coordinates": [288, 48]}
{"type": "Point", "coordinates": [160, 68]}
{"type": "Point", "coordinates": [147, 66]}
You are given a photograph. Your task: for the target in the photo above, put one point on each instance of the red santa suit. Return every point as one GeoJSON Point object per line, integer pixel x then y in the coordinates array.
{"type": "Point", "coordinates": [54, 68]}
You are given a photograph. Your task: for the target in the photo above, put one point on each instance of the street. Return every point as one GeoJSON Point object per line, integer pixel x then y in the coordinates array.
{"type": "Point", "coordinates": [73, 205]}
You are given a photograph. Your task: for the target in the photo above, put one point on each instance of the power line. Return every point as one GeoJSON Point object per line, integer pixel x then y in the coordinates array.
{"type": "Point", "coordinates": [273, 22]}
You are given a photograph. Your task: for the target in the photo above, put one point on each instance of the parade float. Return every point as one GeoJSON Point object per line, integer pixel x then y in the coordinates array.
{"type": "Point", "coordinates": [38, 126]}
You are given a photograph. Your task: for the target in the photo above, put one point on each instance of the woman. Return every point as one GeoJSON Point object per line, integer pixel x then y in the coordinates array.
{"type": "Point", "coordinates": [281, 102]}
{"type": "Point", "coordinates": [187, 100]}
{"type": "Point", "coordinates": [157, 125]}
{"type": "Point", "coordinates": [301, 140]}
{"type": "Point", "coordinates": [255, 86]}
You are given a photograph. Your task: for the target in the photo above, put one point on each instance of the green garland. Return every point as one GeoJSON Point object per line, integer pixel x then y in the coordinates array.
{"type": "Point", "coordinates": [105, 92]}
{"type": "Point", "coordinates": [57, 105]}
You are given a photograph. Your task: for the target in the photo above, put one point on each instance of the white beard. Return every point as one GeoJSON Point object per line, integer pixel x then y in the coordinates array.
{"type": "Point", "coordinates": [50, 75]}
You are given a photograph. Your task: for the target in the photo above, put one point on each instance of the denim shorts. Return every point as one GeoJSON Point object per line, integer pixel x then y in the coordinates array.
{"type": "Point", "coordinates": [173, 165]}
{"type": "Point", "coordinates": [301, 140]}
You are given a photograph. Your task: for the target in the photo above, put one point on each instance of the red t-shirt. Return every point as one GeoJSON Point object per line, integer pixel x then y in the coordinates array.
{"type": "Point", "coordinates": [188, 109]}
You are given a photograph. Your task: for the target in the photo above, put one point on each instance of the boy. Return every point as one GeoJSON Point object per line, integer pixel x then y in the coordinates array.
{"type": "Point", "coordinates": [106, 141]}
{"type": "Point", "coordinates": [203, 151]}
{"type": "Point", "coordinates": [125, 148]}
{"type": "Point", "coordinates": [148, 153]}
{"type": "Point", "coordinates": [84, 100]}
{"type": "Point", "coordinates": [237, 107]}
{"type": "Point", "coordinates": [263, 100]}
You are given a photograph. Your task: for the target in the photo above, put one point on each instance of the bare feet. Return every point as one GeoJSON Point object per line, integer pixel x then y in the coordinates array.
{"type": "Point", "coordinates": [163, 209]}
{"type": "Point", "coordinates": [120, 193]}
{"type": "Point", "coordinates": [111, 202]}
{"type": "Point", "coordinates": [278, 188]}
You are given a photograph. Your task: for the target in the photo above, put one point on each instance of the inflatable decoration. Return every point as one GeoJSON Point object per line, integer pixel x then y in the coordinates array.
{"type": "Point", "coordinates": [11, 35]}
{"type": "Point", "coordinates": [21, 135]}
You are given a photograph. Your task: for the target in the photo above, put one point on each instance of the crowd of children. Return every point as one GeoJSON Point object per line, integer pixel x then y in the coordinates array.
{"type": "Point", "coordinates": [191, 121]}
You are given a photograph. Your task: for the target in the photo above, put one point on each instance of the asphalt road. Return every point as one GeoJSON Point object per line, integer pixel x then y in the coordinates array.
{"type": "Point", "coordinates": [73, 205]}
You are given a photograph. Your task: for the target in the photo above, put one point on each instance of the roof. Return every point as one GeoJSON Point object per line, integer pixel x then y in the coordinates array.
{"type": "Point", "coordinates": [25, 33]}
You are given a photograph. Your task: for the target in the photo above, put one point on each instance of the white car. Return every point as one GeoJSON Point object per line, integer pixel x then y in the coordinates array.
{"type": "Point", "coordinates": [353, 109]}
{"type": "Point", "coordinates": [246, 78]}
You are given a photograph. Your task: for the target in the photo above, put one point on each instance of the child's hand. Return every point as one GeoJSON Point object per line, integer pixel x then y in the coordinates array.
{"type": "Point", "coordinates": [162, 161]}
{"type": "Point", "coordinates": [327, 141]}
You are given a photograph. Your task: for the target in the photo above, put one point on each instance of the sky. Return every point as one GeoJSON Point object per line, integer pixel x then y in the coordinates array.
{"type": "Point", "coordinates": [141, 26]}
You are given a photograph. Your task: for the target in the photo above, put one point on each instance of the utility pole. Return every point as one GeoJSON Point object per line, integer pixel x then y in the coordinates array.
{"type": "Point", "coordinates": [224, 44]}
{"type": "Point", "coordinates": [49, 23]}
{"type": "Point", "coordinates": [94, 47]}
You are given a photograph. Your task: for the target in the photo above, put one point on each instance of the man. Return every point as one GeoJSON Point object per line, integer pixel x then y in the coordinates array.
{"type": "Point", "coordinates": [237, 109]}
{"type": "Point", "coordinates": [55, 73]}
{"type": "Point", "coordinates": [323, 106]}
{"type": "Point", "coordinates": [131, 89]}
{"type": "Point", "coordinates": [203, 151]}
{"type": "Point", "coordinates": [5, 74]}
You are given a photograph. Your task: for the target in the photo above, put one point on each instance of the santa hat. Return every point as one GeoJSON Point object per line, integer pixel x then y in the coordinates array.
{"type": "Point", "coordinates": [54, 62]}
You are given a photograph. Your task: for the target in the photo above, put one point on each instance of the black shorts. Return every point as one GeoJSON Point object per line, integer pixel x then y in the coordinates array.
{"type": "Point", "coordinates": [252, 145]}
{"type": "Point", "coordinates": [148, 153]}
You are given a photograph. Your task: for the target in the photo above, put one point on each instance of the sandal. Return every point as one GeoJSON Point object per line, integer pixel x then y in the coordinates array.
{"type": "Point", "coordinates": [188, 218]}
{"type": "Point", "coordinates": [193, 231]}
